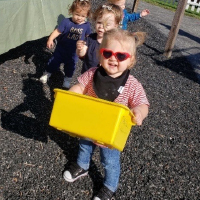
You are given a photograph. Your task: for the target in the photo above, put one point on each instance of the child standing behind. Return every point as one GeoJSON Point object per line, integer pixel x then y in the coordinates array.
{"type": "Point", "coordinates": [105, 17]}
{"type": "Point", "coordinates": [111, 81]}
{"type": "Point", "coordinates": [128, 17]}
{"type": "Point", "coordinates": [71, 30]}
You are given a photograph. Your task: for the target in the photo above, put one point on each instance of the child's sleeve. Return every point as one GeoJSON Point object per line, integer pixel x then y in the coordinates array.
{"type": "Point", "coordinates": [87, 77]}
{"type": "Point", "coordinates": [137, 96]}
{"type": "Point", "coordinates": [88, 31]}
{"type": "Point", "coordinates": [87, 40]}
{"type": "Point", "coordinates": [63, 25]}
{"type": "Point", "coordinates": [133, 16]}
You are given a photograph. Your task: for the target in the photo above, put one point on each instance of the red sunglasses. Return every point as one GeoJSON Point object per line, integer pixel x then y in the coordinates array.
{"type": "Point", "coordinates": [120, 56]}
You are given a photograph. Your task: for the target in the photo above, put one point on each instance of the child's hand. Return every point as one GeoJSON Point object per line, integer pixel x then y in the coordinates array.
{"type": "Point", "coordinates": [137, 117]}
{"type": "Point", "coordinates": [100, 145]}
{"type": "Point", "coordinates": [80, 44]}
{"type": "Point", "coordinates": [140, 112]}
{"type": "Point", "coordinates": [144, 13]}
{"type": "Point", "coordinates": [50, 44]}
{"type": "Point", "coordinates": [81, 48]}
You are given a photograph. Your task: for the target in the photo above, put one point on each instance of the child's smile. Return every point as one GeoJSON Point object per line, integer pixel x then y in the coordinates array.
{"type": "Point", "coordinates": [112, 64]}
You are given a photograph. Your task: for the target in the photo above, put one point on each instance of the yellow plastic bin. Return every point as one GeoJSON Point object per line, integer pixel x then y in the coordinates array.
{"type": "Point", "coordinates": [98, 120]}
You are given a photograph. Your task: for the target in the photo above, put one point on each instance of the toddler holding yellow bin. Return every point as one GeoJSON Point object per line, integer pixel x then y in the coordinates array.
{"type": "Point", "coordinates": [111, 81]}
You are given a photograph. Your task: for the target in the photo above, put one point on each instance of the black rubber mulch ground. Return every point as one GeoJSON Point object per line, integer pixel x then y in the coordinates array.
{"type": "Point", "coordinates": [161, 159]}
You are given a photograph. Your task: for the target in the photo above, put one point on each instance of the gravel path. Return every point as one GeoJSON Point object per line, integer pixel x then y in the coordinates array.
{"type": "Point", "coordinates": [161, 159]}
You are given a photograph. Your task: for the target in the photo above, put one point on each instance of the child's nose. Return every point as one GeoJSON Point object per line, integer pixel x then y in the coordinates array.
{"type": "Point", "coordinates": [113, 57]}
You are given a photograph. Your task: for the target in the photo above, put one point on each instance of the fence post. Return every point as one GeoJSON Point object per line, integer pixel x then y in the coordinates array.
{"type": "Point", "coordinates": [175, 27]}
{"type": "Point", "coordinates": [188, 4]}
{"type": "Point", "coordinates": [135, 5]}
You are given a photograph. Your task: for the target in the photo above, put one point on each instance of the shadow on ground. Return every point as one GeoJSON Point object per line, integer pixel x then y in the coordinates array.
{"type": "Point", "coordinates": [183, 33]}
{"type": "Point", "coordinates": [30, 119]}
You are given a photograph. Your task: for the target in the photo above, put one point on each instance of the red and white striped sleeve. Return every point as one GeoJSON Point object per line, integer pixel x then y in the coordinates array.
{"type": "Point", "coordinates": [137, 95]}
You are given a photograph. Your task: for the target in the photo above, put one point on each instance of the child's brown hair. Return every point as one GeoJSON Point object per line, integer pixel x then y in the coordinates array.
{"type": "Point", "coordinates": [130, 40]}
{"type": "Point", "coordinates": [108, 8]}
{"type": "Point", "coordinates": [80, 4]}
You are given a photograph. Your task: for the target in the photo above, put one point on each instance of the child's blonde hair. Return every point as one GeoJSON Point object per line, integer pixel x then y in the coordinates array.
{"type": "Point", "coordinates": [127, 39]}
{"type": "Point", "coordinates": [80, 4]}
{"type": "Point", "coordinates": [108, 8]}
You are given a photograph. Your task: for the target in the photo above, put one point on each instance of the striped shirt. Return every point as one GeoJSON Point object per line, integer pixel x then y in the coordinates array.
{"type": "Point", "coordinates": [132, 95]}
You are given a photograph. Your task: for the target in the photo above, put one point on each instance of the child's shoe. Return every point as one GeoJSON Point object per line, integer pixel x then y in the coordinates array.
{"type": "Point", "coordinates": [45, 77]}
{"type": "Point", "coordinates": [67, 82]}
{"type": "Point", "coordinates": [104, 194]}
{"type": "Point", "coordinates": [74, 172]}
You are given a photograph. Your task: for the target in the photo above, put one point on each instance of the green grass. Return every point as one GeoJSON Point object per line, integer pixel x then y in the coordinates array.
{"type": "Point", "coordinates": [173, 7]}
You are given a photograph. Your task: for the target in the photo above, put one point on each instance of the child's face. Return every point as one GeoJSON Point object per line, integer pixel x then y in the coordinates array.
{"type": "Point", "coordinates": [79, 16]}
{"type": "Point", "coordinates": [105, 23]}
{"type": "Point", "coordinates": [120, 3]}
{"type": "Point", "coordinates": [112, 65]}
